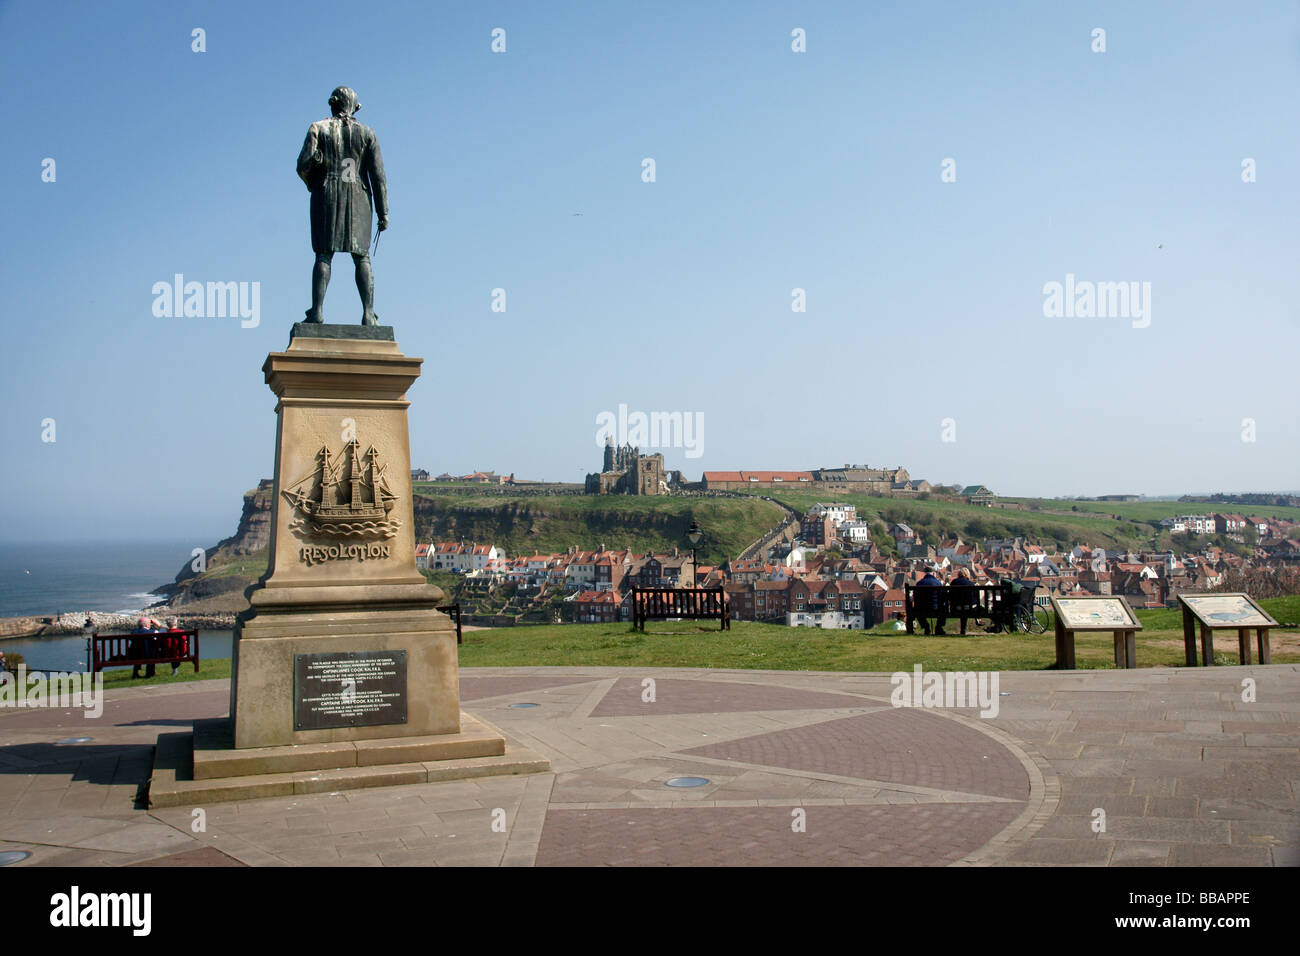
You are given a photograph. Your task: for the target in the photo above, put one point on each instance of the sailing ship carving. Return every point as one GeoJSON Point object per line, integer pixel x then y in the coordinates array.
{"type": "Point", "coordinates": [347, 497]}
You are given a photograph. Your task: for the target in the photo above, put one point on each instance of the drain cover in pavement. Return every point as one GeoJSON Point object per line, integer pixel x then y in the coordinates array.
{"type": "Point", "coordinates": [686, 782]}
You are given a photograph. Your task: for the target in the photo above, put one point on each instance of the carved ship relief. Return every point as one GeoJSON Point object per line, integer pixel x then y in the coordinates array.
{"type": "Point", "coordinates": [348, 497]}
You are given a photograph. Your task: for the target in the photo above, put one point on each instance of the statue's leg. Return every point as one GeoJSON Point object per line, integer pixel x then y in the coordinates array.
{"type": "Point", "coordinates": [320, 280]}
{"type": "Point", "coordinates": [366, 286]}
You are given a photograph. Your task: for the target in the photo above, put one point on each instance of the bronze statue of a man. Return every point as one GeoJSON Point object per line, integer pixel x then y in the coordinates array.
{"type": "Point", "coordinates": [342, 167]}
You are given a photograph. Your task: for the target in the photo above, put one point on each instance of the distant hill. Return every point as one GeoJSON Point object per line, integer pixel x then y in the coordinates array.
{"type": "Point", "coordinates": [530, 523]}
{"type": "Point", "coordinates": [1280, 498]}
{"type": "Point", "coordinates": [525, 525]}
{"type": "Point", "coordinates": [520, 524]}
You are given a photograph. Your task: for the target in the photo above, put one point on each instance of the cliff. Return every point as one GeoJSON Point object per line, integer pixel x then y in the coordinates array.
{"type": "Point", "coordinates": [229, 567]}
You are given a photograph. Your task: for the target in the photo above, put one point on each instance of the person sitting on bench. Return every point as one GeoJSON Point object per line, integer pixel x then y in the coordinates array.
{"type": "Point", "coordinates": [145, 646]}
{"type": "Point", "coordinates": [963, 603]}
{"type": "Point", "coordinates": [927, 606]}
{"type": "Point", "coordinates": [173, 646]}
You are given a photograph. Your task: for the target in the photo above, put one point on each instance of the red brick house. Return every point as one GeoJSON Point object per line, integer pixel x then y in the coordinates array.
{"type": "Point", "coordinates": [597, 607]}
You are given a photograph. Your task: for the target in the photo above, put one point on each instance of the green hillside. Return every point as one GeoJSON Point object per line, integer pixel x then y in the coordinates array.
{"type": "Point", "coordinates": [934, 520]}
{"type": "Point", "coordinates": [1153, 511]}
{"type": "Point", "coordinates": [525, 524]}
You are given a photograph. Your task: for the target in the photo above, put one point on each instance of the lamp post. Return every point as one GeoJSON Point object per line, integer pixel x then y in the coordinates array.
{"type": "Point", "coordinates": [88, 631]}
{"type": "Point", "coordinates": [693, 534]}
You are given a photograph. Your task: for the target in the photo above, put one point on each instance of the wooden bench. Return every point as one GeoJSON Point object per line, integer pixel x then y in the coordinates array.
{"type": "Point", "coordinates": [947, 601]}
{"type": "Point", "coordinates": [453, 610]}
{"type": "Point", "coordinates": [144, 649]}
{"type": "Point", "coordinates": [692, 604]}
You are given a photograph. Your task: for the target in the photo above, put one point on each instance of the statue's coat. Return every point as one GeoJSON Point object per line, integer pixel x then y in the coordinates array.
{"type": "Point", "coordinates": [341, 164]}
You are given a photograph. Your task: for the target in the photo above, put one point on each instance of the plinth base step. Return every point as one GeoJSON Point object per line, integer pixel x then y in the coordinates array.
{"type": "Point", "coordinates": [204, 767]}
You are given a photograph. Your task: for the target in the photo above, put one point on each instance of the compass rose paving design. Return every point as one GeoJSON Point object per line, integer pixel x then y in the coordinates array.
{"type": "Point", "coordinates": [887, 787]}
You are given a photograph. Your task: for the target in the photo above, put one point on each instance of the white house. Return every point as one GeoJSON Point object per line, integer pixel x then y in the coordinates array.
{"type": "Point", "coordinates": [444, 556]}
{"type": "Point", "coordinates": [1198, 524]}
{"type": "Point", "coordinates": [829, 620]}
{"type": "Point", "coordinates": [838, 513]}
{"type": "Point", "coordinates": [581, 570]}
{"type": "Point", "coordinates": [855, 532]}
{"type": "Point", "coordinates": [797, 559]}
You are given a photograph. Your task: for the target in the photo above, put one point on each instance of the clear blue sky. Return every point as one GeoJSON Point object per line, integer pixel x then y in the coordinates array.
{"type": "Point", "coordinates": [775, 170]}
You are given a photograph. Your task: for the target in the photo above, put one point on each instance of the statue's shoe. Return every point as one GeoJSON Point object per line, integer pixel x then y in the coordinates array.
{"type": "Point", "coordinates": [314, 319]}
{"type": "Point", "coordinates": [371, 319]}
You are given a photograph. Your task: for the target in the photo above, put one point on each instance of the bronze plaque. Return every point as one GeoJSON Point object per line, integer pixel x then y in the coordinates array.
{"type": "Point", "coordinates": [355, 689]}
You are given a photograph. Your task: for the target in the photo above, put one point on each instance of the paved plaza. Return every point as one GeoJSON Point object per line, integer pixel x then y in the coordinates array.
{"type": "Point", "coordinates": [801, 768]}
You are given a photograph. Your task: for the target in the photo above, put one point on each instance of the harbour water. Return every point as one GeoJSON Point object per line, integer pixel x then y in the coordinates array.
{"type": "Point", "coordinates": [52, 577]}
{"type": "Point", "coordinates": [47, 578]}
{"type": "Point", "coordinates": [68, 652]}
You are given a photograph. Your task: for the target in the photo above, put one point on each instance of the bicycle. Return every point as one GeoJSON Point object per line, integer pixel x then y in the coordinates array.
{"type": "Point", "coordinates": [1030, 620]}
{"type": "Point", "coordinates": [1015, 610]}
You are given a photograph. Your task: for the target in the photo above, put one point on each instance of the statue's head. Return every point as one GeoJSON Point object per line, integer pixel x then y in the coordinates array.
{"type": "Point", "coordinates": [343, 101]}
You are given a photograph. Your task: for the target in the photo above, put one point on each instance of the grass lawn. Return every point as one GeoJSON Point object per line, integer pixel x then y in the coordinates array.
{"type": "Point", "coordinates": [750, 645]}
{"type": "Point", "coordinates": [214, 669]}
{"type": "Point", "coordinates": [775, 647]}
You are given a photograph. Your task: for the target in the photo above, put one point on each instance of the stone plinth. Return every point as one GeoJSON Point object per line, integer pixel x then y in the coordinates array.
{"type": "Point", "coordinates": [342, 576]}
{"type": "Point", "coordinates": [342, 603]}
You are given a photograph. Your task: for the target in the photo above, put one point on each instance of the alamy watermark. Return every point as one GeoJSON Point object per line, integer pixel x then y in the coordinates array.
{"type": "Point", "coordinates": [1098, 300]}
{"type": "Point", "coordinates": [126, 910]}
{"type": "Point", "coordinates": [946, 689]}
{"type": "Point", "coordinates": [52, 689]}
{"type": "Point", "coordinates": [213, 300]}
{"type": "Point", "coordinates": [652, 430]}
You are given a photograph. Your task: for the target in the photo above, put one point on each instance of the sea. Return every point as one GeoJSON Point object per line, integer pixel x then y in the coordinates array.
{"type": "Point", "coordinates": [48, 578]}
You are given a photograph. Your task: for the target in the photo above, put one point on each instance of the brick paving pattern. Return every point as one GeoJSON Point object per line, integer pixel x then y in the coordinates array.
{"type": "Point", "coordinates": [481, 688]}
{"type": "Point", "coordinates": [919, 835]}
{"type": "Point", "coordinates": [1187, 773]}
{"type": "Point", "coordinates": [712, 697]}
{"type": "Point", "coordinates": [899, 746]}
